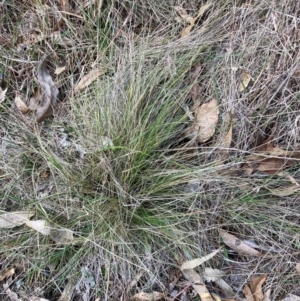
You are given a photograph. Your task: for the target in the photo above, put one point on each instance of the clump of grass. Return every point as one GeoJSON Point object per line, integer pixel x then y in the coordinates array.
{"type": "Point", "coordinates": [147, 201]}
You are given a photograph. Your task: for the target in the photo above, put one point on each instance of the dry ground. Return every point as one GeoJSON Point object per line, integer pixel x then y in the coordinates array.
{"type": "Point", "coordinates": [119, 176]}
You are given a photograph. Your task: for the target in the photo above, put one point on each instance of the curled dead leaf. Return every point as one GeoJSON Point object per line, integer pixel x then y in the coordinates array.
{"type": "Point", "coordinates": [238, 245]}
{"type": "Point", "coordinates": [256, 283]}
{"type": "Point", "coordinates": [21, 105]}
{"type": "Point", "coordinates": [88, 79]}
{"type": "Point", "coordinates": [50, 92]}
{"type": "Point", "coordinates": [7, 273]}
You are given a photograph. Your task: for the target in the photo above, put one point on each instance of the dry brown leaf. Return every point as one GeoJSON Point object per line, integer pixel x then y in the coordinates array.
{"type": "Point", "coordinates": [148, 297]}
{"type": "Point", "coordinates": [2, 94]}
{"type": "Point", "coordinates": [21, 105]}
{"type": "Point", "coordinates": [256, 283]}
{"type": "Point", "coordinates": [238, 245]}
{"type": "Point", "coordinates": [88, 79]}
{"type": "Point", "coordinates": [14, 219]}
{"type": "Point", "coordinates": [186, 17]}
{"type": "Point", "coordinates": [206, 119]}
{"type": "Point", "coordinates": [247, 293]}
{"type": "Point", "coordinates": [272, 160]}
{"type": "Point", "coordinates": [245, 80]}
{"type": "Point", "coordinates": [7, 273]}
{"type": "Point", "coordinates": [50, 92]}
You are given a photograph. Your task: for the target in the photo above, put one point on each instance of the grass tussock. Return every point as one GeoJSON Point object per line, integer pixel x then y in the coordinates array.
{"type": "Point", "coordinates": [113, 164]}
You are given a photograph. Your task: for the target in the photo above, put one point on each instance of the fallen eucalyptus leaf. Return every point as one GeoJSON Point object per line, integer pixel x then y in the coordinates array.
{"type": "Point", "coordinates": [14, 219]}
{"type": "Point", "coordinates": [198, 261]}
{"type": "Point", "coordinates": [192, 276]}
{"type": "Point", "coordinates": [50, 92]}
{"type": "Point", "coordinates": [238, 245]}
{"type": "Point", "coordinates": [21, 105]}
{"type": "Point", "coordinates": [88, 79]}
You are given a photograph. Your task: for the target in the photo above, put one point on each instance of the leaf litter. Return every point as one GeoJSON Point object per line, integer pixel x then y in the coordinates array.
{"type": "Point", "coordinates": [189, 19]}
{"type": "Point", "coordinates": [14, 219]}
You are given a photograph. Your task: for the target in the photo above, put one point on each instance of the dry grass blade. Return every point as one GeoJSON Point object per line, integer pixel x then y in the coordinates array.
{"type": "Point", "coordinates": [238, 245]}
{"type": "Point", "coordinates": [88, 79]}
{"type": "Point", "coordinates": [50, 92]}
{"type": "Point", "coordinates": [14, 219]}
